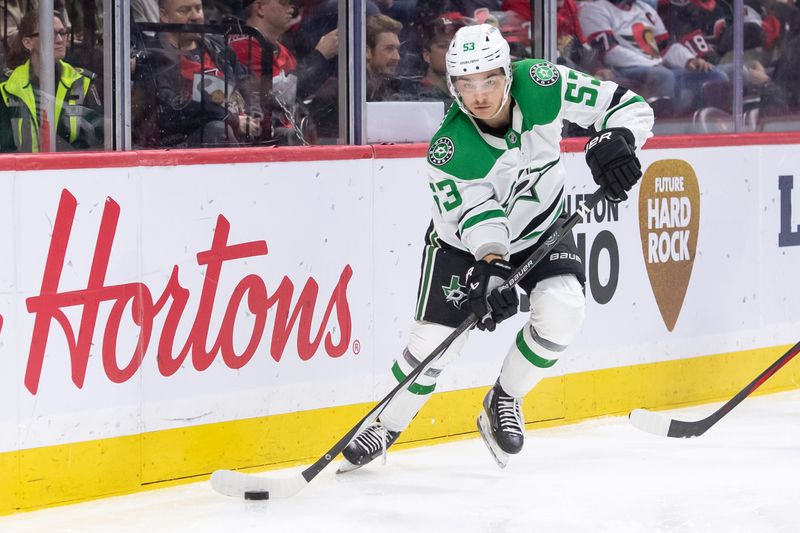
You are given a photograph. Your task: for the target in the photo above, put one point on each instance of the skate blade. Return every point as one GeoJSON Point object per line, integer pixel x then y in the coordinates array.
{"type": "Point", "coordinates": [346, 466]}
{"type": "Point", "coordinates": [485, 429]}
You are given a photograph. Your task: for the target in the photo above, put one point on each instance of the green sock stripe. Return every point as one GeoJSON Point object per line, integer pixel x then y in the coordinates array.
{"type": "Point", "coordinates": [415, 388]}
{"type": "Point", "coordinates": [534, 359]}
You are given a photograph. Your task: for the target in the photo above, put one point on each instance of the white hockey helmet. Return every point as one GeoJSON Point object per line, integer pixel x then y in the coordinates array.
{"type": "Point", "coordinates": [476, 49]}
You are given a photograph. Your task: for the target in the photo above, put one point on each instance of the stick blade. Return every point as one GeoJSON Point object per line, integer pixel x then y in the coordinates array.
{"type": "Point", "coordinates": [650, 422]}
{"type": "Point", "coordinates": [241, 485]}
{"type": "Point", "coordinates": [663, 426]}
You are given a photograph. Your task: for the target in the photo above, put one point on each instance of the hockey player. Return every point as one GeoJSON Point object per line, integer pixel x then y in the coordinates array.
{"type": "Point", "coordinates": [498, 189]}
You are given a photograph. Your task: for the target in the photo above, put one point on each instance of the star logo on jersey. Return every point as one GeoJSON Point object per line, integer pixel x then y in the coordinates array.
{"type": "Point", "coordinates": [441, 151]}
{"type": "Point", "coordinates": [512, 139]}
{"type": "Point", "coordinates": [544, 74]}
{"type": "Point", "coordinates": [455, 292]}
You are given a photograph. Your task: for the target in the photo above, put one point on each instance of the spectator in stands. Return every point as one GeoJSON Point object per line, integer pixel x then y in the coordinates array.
{"type": "Point", "coordinates": [221, 11]}
{"type": "Point", "coordinates": [513, 28]}
{"type": "Point", "coordinates": [273, 18]}
{"type": "Point", "coordinates": [145, 10]}
{"type": "Point", "coordinates": [771, 99]}
{"type": "Point", "coordinates": [754, 33]}
{"type": "Point", "coordinates": [570, 38]}
{"type": "Point", "coordinates": [696, 24]}
{"type": "Point", "coordinates": [762, 97]}
{"type": "Point", "coordinates": [435, 41]}
{"type": "Point", "coordinates": [10, 15]}
{"type": "Point", "coordinates": [787, 72]}
{"type": "Point", "coordinates": [382, 55]}
{"type": "Point", "coordinates": [201, 90]}
{"type": "Point", "coordinates": [631, 39]}
{"type": "Point", "coordinates": [291, 81]}
{"type": "Point", "coordinates": [781, 23]}
{"type": "Point", "coordinates": [569, 34]}
{"type": "Point", "coordinates": [78, 110]}
{"type": "Point", "coordinates": [12, 11]}
{"type": "Point", "coordinates": [317, 18]}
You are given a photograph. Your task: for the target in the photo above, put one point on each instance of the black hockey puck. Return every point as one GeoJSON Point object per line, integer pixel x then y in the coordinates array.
{"type": "Point", "coordinates": [256, 495]}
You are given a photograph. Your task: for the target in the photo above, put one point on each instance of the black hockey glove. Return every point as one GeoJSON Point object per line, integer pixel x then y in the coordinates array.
{"type": "Point", "coordinates": [611, 156]}
{"type": "Point", "coordinates": [490, 304]}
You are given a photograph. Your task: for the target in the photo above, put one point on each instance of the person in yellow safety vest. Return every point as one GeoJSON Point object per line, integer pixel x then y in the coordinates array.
{"type": "Point", "coordinates": [78, 109]}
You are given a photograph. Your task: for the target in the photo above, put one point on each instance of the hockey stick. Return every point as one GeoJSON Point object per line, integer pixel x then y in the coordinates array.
{"type": "Point", "coordinates": [252, 487]}
{"type": "Point", "coordinates": [664, 426]}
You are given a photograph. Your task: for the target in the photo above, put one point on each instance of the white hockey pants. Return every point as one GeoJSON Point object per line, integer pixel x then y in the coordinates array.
{"type": "Point", "coordinates": [556, 317]}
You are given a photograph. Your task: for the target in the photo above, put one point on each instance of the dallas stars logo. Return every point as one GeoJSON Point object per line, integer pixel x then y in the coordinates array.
{"type": "Point", "coordinates": [512, 139]}
{"type": "Point", "coordinates": [454, 293]}
{"type": "Point", "coordinates": [441, 151]}
{"type": "Point", "coordinates": [545, 74]}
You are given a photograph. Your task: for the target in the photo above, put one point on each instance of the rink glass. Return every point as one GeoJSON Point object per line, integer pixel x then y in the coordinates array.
{"type": "Point", "coordinates": [752, 51]}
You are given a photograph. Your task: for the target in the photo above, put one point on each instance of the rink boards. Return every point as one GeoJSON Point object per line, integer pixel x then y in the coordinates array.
{"type": "Point", "coordinates": [167, 314]}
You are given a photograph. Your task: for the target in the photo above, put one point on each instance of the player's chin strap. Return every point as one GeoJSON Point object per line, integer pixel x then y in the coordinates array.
{"type": "Point", "coordinates": [469, 113]}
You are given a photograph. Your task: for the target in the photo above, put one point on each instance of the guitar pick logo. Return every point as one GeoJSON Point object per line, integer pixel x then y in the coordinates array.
{"type": "Point", "coordinates": [669, 221]}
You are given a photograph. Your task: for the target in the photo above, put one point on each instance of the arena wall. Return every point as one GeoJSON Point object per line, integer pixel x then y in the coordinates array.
{"type": "Point", "coordinates": [165, 314]}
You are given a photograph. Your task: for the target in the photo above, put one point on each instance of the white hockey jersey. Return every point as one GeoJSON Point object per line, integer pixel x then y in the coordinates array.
{"type": "Point", "coordinates": [630, 35]}
{"type": "Point", "coordinates": [498, 195]}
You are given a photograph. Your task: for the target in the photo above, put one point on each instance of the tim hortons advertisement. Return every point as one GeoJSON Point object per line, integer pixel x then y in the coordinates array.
{"type": "Point", "coordinates": [291, 313]}
{"type": "Point", "coordinates": [169, 300]}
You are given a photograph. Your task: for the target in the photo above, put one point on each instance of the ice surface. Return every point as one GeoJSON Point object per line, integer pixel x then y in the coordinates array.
{"type": "Point", "coordinates": [599, 476]}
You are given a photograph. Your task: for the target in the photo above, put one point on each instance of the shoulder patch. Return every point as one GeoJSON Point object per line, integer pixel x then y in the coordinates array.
{"type": "Point", "coordinates": [441, 151]}
{"type": "Point", "coordinates": [544, 73]}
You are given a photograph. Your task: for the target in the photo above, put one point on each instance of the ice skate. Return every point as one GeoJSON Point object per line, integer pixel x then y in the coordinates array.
{"type": "Point", "coordinates": [371, 443]}
{"type": "Point", "coordinates": [501, 425]}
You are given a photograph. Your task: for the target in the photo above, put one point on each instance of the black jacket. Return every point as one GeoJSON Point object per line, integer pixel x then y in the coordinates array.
{"type": "Point", "coordinates": [165, 109]}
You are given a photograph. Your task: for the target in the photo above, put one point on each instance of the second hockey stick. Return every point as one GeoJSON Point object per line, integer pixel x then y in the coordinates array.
{"type": "Point", "coordinates": [253, 487]}
{"type": "Point", "coordinates": [664, 426]}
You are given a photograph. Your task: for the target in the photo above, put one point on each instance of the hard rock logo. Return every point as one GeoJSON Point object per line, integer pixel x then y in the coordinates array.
{"type": "Point", "coordinates": [669, 221]}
